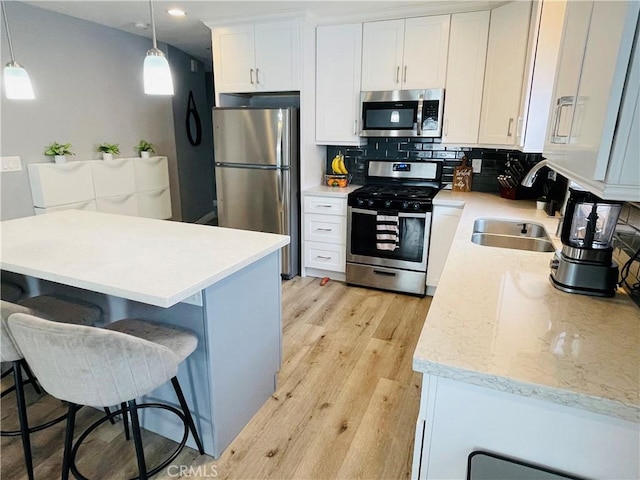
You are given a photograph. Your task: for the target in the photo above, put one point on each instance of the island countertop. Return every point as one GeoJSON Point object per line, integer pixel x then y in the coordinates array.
{"type": "Point", "coordinates": [496, 321]}
{"type": "Point", "coordinates": [157, 262]}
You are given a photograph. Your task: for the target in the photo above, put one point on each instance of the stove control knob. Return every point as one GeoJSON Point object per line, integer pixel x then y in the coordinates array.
{"type": "Point", "coordinates": [370, 202]}
{"type": "Point", "coordinates": [387, 203]}
{"type": "Point", "coordinates": [360, 201]}
{"type": "Point", "coordinates": [416, 206]}
{"type": "Point", "coordinates": [405, 205]}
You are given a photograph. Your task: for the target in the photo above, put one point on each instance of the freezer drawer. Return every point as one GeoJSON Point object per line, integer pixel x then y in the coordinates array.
{"type": "Point", "coordinates": [253, 199]}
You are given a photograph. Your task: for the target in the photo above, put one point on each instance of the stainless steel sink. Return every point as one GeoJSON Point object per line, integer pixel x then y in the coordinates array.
{"type": "Point", "coordinates": [519, 235]}
{"type": "Point", "coordinates": [509, 227]}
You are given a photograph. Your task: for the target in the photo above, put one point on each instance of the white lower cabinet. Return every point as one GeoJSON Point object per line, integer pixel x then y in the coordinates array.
{"type": "Point", "coordinates": [457, 418]}
{"type": "Point", "coordinates": [324, 234]}
{"type": "Point", "coordinates": [155, 204]}
{"type": "Point", "coordinates": [325, 256]}
{"type": "Point", "coordinates": [120, 204]}
{"type": "Point", "coordinates": [88, 206]}
{"type": "Point", "coordinates": [125, 186]}
{"type": "Point", "coordinates": [444, 224]}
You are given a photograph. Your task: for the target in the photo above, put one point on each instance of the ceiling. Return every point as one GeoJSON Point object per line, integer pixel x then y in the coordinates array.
{"type": "Point", "coordinates": [192, 36]}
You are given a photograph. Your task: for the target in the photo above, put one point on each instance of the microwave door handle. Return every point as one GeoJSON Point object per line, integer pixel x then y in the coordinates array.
{"type": "Point", "coordinates": [419, 115]}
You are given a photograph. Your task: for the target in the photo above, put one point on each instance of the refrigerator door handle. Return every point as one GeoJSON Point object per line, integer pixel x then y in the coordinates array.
{"type": "Point", "coordinates": [247, 165]}
{"type": "Point", "coordinates": [279, 140]}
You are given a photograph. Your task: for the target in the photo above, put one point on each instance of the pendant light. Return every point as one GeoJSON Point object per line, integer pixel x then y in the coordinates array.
{"type": "Point", "coordinates": [17, 84]}
{"type": "Point", "coordinates": [157, 74]}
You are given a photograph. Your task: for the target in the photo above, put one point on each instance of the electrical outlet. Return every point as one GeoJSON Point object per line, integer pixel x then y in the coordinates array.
{"type": "Point", "coordinates": [476, 164]}
{"type": "Point", "coordinates": [11, 164]}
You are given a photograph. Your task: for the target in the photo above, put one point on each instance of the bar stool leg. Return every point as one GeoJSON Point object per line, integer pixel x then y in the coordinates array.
{"type": "Point", "coordinates": [68, 441]}
{"type": "Point", "coordinates": [187, 414]}
{"type": "Point", "coordinates": [125, 419]}
{"type": "Point", "coordinates": [22, 416]}
{"type": "Point", "coordinates": [137, 439]}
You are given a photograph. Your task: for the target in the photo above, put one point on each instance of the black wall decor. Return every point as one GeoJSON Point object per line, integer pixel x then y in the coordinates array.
{"type": "Point", "coordinates": [193, 121]}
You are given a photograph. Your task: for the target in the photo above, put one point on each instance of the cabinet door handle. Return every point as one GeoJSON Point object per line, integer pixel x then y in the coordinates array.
{"type": "Point", "coordinates": [324, 229]}
{"type": "Point", "coordinates": [446, 127]}
{"type": "Point", "coordinates": [323, 258]}
{"type": "Point", "coordinates": [355, 127]}
{"type": "Point", "coordinates": [404, 79]}
{"type": "Point", "coordinates": [257, 76]}
{"type": "Point", "coordinates": [519, 127]}
{"type": "Point", "coordinates": [509, 127]}
{"type": "Point", "coordinates": [397, 74]}
{"type": "Point", "coordinates": [251, 75]}
{"type": "Point", "coordinates": [562, 102]}
{"type": "Point", "coordinates": [324, 206]}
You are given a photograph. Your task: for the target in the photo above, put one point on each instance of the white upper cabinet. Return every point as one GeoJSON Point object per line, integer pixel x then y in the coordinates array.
{"type": "Point", "coordinates": [594, 131]}
{"type": "Point", "coordinates": [465, 76]}
{"type": "Point", "coordinates": [504, 74]}
{"type": "Point", "coordinates": [405, 54]}
{"type": "Point", "coordinates": [256, 58]}
{"type": "Point", "coordinates": [338, 72]}
{"type": "Point", "coordinates": [545, 35]}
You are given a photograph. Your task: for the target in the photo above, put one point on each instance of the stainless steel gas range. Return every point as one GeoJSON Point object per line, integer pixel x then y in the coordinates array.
{"type": "Point", "coordinates": [389, 224]}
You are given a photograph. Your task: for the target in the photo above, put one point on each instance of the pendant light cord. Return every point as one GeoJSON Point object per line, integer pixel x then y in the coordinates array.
{"type": "Point", "coordinates": [153, 25]}
{"type": "Point", "coordinates": [6, 26]}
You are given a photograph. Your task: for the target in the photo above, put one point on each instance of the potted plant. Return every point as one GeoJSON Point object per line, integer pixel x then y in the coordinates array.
{"type": "Point", "coordinates": [145, 149]}
{"type": "Point", "coordinates": [58, 151]}
{"type": "Point", "coordinates": [109, 150]}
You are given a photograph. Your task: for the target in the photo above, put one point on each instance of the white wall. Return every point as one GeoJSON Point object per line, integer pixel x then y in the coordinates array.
{"type": "Point", "coordinates": [88, 84]}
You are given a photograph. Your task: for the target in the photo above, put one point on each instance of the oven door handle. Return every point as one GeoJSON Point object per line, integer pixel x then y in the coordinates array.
{"type": "Point", "coordinates": [400, 214]}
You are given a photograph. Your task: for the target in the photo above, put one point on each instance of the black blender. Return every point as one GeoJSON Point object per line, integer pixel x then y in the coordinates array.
{"type": "Point", "coordinates": [585, 265]}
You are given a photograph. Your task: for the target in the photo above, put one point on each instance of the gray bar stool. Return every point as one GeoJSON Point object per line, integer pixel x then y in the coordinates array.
{"type": "Point", "coordinates": [9, 352]}
{"type": "Point", "coordinates": [10, 292]}
{"type": "Point", "coordinates": [106, 366]}
{"type": "Point", "coordinates": [62, 308]}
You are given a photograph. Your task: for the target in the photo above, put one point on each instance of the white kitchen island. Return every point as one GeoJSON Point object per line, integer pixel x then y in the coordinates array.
{"type": "Point", "coordinates": [513, 366]}
{"type": "Point", "coordinates": [223, 284]}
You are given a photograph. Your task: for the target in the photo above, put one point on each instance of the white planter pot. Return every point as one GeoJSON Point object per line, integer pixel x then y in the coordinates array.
{"type": "Point", "coordinates": [145, 154]}
{"type": "Point", "coordinates": [60, 158]}
{"type": "Point", "coordinates": [107, 156]}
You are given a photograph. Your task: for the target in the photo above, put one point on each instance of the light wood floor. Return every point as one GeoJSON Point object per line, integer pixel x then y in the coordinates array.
{"type": "Point", "coordinates": [346, 404]}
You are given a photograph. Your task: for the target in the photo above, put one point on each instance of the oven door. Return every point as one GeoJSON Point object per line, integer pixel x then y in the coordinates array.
{"type": "Point", "coordinates": [414, 240]}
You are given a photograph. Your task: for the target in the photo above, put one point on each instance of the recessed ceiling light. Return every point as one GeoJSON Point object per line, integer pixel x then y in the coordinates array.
{"type": "Point", "coordinates": [141, 25]}
{"type": "Point", "coordinates": [176, 12]}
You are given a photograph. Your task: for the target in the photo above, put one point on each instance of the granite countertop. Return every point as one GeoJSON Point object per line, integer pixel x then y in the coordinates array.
{"type": "Point", "coordinates": [158, 262]}
{"type": "Point", "coordinates": [327, 191]}
{"type": "Point", "coordinates": [496, 321]}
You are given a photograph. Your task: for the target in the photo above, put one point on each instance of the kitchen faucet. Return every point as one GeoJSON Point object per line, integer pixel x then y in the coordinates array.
{"type": "Point", "coordinates": [532, 174]}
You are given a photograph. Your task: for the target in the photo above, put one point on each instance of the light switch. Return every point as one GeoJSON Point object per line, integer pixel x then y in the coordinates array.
{"type": "Point", "coordinates": [11, 164]}
{"type": "Point", "coordinates": [476, 163]}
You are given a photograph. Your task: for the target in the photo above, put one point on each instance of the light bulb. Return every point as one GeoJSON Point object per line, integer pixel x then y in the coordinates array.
{"type": "Point", "coordinates": [157, 74]}
{"type": "Point", "coordinates": [17, 84]}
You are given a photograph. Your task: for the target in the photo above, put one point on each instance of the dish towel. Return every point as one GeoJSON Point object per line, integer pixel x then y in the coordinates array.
{"type": "Point", "coordinates": [387, 232]}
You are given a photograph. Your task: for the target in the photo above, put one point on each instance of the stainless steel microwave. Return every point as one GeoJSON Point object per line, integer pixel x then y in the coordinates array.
{"type": "Point", "coordinates": [402, 113]}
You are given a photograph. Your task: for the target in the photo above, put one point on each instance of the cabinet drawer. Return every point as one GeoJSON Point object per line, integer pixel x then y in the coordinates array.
{"type": "Point", "coordinates": [121, 205]}
{"type": "Point", "coordinates": [113, 177]}
{"type": "Point", "coordinates": [325, 228]}
{"type": "Point", "coordinates": [90, 206]}
{"type": "Point", "coordinates": [54, 184]}
{"type": "Point", "coordinates": [325, 205]}
{"type": "Point", "coordinates": [151, 173]}
{"type": "Point", "coordinates": [155, 204]}
{"type": "Point", "coordinates": [325, 256]}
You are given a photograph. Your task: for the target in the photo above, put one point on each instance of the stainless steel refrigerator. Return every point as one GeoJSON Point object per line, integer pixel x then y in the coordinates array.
{"type": "Point", "coordinates": [256, 154]}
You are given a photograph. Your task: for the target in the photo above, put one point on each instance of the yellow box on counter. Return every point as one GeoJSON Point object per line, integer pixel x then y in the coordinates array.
{"type": "Point", "coordinates": [340, 181]}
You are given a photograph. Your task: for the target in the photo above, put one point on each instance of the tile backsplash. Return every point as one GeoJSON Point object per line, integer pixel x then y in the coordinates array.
{"type": "Point", "coordinates": [626, 244]}
{"type": "Point", "coordinates": [400, 148]}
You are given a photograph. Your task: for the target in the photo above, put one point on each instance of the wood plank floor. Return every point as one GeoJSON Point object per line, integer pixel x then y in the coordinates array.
{"type": "Point", "coordinates": [345, 407]}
